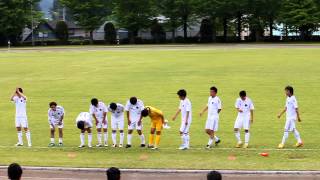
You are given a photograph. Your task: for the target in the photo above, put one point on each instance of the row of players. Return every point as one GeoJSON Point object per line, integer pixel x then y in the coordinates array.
{"type": "Point", "coordinates": [135, 111]}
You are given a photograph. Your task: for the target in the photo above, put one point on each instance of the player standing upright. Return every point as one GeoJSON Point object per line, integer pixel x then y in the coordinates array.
{"type": "Point", "coordinates": [117, 122]}
{"type": "Point", "coordinates": [133, 108]}
{"type": "Point", "coordinates": [245, 108]}
{"type": "Point", "coordinates": [84, 123]}
{"type": "Point", "coordinates": [214, 108]}
{"type": "Point", "coordinates": [186, 118]}
{"type": "Point", "coordinates": [20, 101]}
{"type": "Point", "coordinates": [292, 114]}
{"type": "Point", "coordinates": [55, 118]}
{"type": "Point", "coordinates": [99, 112]}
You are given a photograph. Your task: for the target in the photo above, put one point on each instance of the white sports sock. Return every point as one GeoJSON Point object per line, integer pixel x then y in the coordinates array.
{"type": "Point", "coordinates": [216, 138]}
{"type": "Point", "coordinates": [82, 138]}
{"type": "Point", "coordinates": [183, 140]}
{"type": "Point", "coordinates": [60, 140]}
{"type": "Point", "coordinates": [210, 141]}
{"type": "Point", "coordinates": [114, 137]}
{"type": "Point", "coordinates": [129, 137]}
{"type": "Point", "coordinates": [247, 137]}
{"type": "Point", "coordinates": [89, 139]}
{"type": "Point", "coordinates": [121, 138]}
{"type": "Point", "coordinates": [237, 134]}
{"type": "Point", "coordinates": [188, 140]}
{"type": "Point", "coordinates": [285, 137]}
{"type": "Point", "coordinates": [297, 135]}
{"type": "Point", "coordinates": [20, 137]}
{"type": "Point", "coordinates": [99, 136]}
{"type": "Point", "coordinates": [52, 140]}
{"type": "Point", "coordinates": [28, 135]}
{"type": "Point", "coordinates": [143, 141]}
{"type": "Point", "coordinates": [105, 136]}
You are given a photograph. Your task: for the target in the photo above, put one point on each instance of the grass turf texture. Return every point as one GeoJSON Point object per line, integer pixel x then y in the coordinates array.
{"type": "Point", "coordinates": [72, 78]}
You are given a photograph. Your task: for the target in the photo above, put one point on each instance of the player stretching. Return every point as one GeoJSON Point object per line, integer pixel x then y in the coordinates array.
{"type": "Point", "coordinates": [186, 118]}
{"type": "Point", "coordinates": [245, 109]}
{"type": "Point", "coordinates": [55, 118]}
{"type": "Point", "coordinates": [292, 115]}
{"type": "Point", "coordinates": [84, 123]}
{"type": "Point", "coordinates": [99, 112]}
{"type": "Point", "coordinates": [133, 108]}
{"type": "Point", "coordinates": [20, 101]}
{"type": "Point", "coordinates": [117, 122]}
{"type": "Point", "coordinates": [214, 108]}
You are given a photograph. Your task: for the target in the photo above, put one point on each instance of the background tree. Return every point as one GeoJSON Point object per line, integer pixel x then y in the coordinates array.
{"type": "Point", "coordinates": [206, 31]}
{"type": "Point", "coordinates": [62, 32]}
{"type": "Point", "coordinates": [157, 32]}
{"type": "Point", "coordinates": [110, 33]}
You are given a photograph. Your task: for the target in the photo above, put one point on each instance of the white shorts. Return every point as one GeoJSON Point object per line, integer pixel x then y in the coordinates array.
{"type": "Point", "coordinates": [56, 126]}
{"type": "Point", "coordinates": [22, 122]}
{"type": "Point", "coordinates": [242, 122]}
{"type": "Point", "coordinates": [185, 128]}
{"type": "Point", "coordinates": [101, 125]}
{"type": "Point", "coordinates": [117, 123]}
{"type": "Point", "coordinates": [212, 123]}
{"type": "Point", "coordinates": [134, 125]}
{"type": "Point", "coordinates": [290, 124]}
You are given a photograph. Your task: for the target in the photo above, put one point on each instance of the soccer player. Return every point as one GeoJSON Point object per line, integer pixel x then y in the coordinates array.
{"type": "Point", "coordinates": [186, 118]}
{"type": "Point", "coordinates": [214, 108]}
{"type": "Point", "coordinates": [157, 122]}
{"type": "Point", "coordinates": [292, 114]}
{"type": "Point", "coordinates": [20, 101]}
{"type": "Point", "coordinates": [245, 108]}
{"type": "Point", "coordinates": [117, 122]}
{"type": "Point", "coordinates": [84, 123]}
{"type": "Point", "coordinates": [55, 118]}
{"type": "Point", "coordinates": [133, 109]}
{"type": "Point", "coordinates": [99, 112]}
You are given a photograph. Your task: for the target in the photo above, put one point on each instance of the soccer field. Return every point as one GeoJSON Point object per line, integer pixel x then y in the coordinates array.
{"type": "Point", "coordinates": [72, 76]}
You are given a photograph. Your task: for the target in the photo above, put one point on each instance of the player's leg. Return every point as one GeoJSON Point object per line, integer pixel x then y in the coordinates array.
{"type": "Point", "coordinates": [99, 134]}
{"type": "Point", "coordinates": [151, 136]}
{"type": "Point", "coordinates": [105, 136]}
{"type": "Point", "coordinates": [215, 130]}
{"type": "Point", "coordinates": [129, 135]}
{"type": "Point", "coordinates": [141, 135]}
{"type": "Point", "coordinates": [82, 139]}
{"type": "Point", "coordinates": [19, 133]}
{"type": "Point", "coordinates": [287, 129]}
{"type": "Point", "coordinates": [114, 132]}
{"type": "Point", "coordinates": [182, 135]}
{"type": "Point", "coordinates": [246, 127]}
{"type": "Point", "coordinates": [159, 126]}
{"type": "Point", "coordinates": [89, 137]}
{"type": "Point", "coordinates": [296, 134]}
{"type": "Point", "coordinates": [60, 135]}
{"type": "Point", "coordinates": [121, 127]}
{"type": "Point", "coordinates": [52, 131]}
{"type": "Point", "coordinates": [237, 127]}
{"type": "Point", "coordinates": [27, 131]}
{"type": "Point", "coordinates": [209, 131]}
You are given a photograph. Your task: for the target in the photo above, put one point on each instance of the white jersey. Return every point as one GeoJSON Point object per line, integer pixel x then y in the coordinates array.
{"type": "Point", "coordinates": [185, 106]}
{"type": "Point", "coordinates": [54, 116]}
{"type": "Point", "coordinates": [291, 105]}
{"type": "Point", "coordinates": [118, 112]}
{"type": "Point", "coordinates": [85, 117]}
{"type": "Point", "coordinates": [21, 106]}
{"type": "Point", "coordinates": [245, 105]}
{"type": "Point", "coordinates": [214, 104]}
{"type": "Point", "coordinates": [99, 110]}
{"type": "Point", "coordinates": [134, 110]}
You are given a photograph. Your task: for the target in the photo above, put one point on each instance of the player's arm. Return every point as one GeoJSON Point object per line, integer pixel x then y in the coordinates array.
{"type": "Point", "coordinates": [204, 110]}
{"type": "Point", "coordinates": [104, 117]}
{"type": "Point", "coordinates": [21, 94]}
{"type": "Point", "coordinates": [251, 115]}
{"type": "Point", "coordinates": [128, 117]}
{"type": "Point", "coordinates": [298, 115]}
{"type": "Point", "coordinates": [13, 95]}
{"type": "Point", "coordinates": [282, 112]}
{"type": "Point", "coordinates": [140, 120]}
{"type": "Point", "coordinates": [95, 118]}
{"type": "Point", "coordinates": [61, 119]}
{"type": "Point", "coordinates": [219, 110]}
{"type": "Point", "coordinates": [176, 115]}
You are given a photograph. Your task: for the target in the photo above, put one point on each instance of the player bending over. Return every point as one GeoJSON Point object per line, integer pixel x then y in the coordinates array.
{"type": "Point", "coordinates": [245, 109]}
{"type": "Point", "coordinates": [20, 101]}
{"type": "Point", "coordinates": [117, 122]}
{"type": "Point", "coordinates": [186, 118]}
{"type": "Point", "coordinates": [292, 114]}
{"type": "Point", "coordinates": [84, 123]}
{"type": "Point", "coordinates": [214, 108]}
{"type": "Point", "coordinates": [98, 110]}
{"type": "Point", "coordinates": [55, 118]}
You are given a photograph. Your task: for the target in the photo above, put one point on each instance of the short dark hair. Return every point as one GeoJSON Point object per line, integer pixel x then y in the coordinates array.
{"type": "Point", "coordinates": [242, 93]}
{"type": "Point", "coordinates": [182, 93]}
{"type": "Point", "coordinates": [214, 175]}
{"type": "Point", "coordinates": [133, 100]}
{"type": "Point", "coordinates": [145, 112]}
{"type": "Point", "coordinates": [113, 106]}
{"type": "Point", "coordinates": [20, 90]}
{"type": "Point", "coordinates": [80, 125]}
{"type": "Point", "coordinates": [289, 88]}
{"type": "Point", "coordinates": [14, 171]}
{"type": "Point", "coordinates": [52, 104]}
{"type": "Point", "coordinates": [113, 173]}
{"type": "Point", "coordinates": [213, 88]}
{"type": "Point", "coordinates": [94, 101]}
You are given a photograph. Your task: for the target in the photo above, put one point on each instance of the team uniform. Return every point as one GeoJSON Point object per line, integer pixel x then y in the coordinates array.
{"type": "Point", "coordinates": [98, 112]}
{"type": "Point", "coordinates": [212, 123]}
{"type": "Point", "coordinates": [21, 118]}
{"type": "Point", "coordinates": [87, 119]}
{"type": "Point", "coordinates": [135, 115]}
{"type": "Point", "coordinates": [157, 120]}
{"type": "Point", "coordinates": [185, 106]}
{"type": "Point", "coordinates": [117, 122]}
{"type": "Point", "coordinates": [54, 117]}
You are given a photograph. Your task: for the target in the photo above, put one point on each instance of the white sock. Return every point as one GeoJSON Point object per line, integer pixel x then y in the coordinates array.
{"type": "Point", "coordinates": [183, 140]}
{"type": "Point", "coordinates": [121, 138]}
{"type": "Point", "coordinates": [210, 141]}
{"type": "Point", "coordinates": [114, 137]}
{"type": "Point", "coordinates": [188, 140]}
{"type": "Point", "coordinates": [129, 137]}
{"type": "Point", "coordinates": [247, 137]}
{"type": "Point", "coordinates": [216, 138]}
{"type": "Point", "coordinates": [28, 135]}
{"type": "Point", "coordinates": [285, 137]}
{"type": "Point", "coordinates": [52, 140]}
{"type": "Point", "coordinates": [99, 136]}
{"type": "Point", "coordinates": [105, 136]}
{"type": "Point", "coordinates": [143, 141]}
{"type": "Point", "coordinates": [20, 137]}
{"type": "Point", "coordinates": [82, 138]}
{"type": "Point", "coordinates": [60, 140]}
{"type": "Point", "coordinates": [237, 134]}
{"type": "Point", "coordinates": [90, 139]}
{"type": "Point", "coordinates": [297, 135]}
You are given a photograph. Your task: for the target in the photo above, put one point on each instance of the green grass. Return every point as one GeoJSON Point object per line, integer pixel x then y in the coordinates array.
{"type": "Point", "coordinates": [72, 78]}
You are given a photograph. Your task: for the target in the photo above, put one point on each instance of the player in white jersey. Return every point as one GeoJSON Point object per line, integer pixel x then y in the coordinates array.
{"type": "Point", "coordinates": [20, 101]}
{"type": "Point", "coordinates": [55, 118]}
{"type": "Point", "coordinates": [292, 114]}
{"type": "Point", "coordinates": [186, 118]}
{"type": "Point", "coordinates": [214, 108]}
{"type": "Point", "coordinates": [245, 108]}
{"type": "Point", "coordinates": [84, 123]}
{"type": "Point", "coordinates": [117, 122]}
{"type": "Point", "coordinates": [133, 109]}
{"type": "Point", "coordinates": [99, 112]}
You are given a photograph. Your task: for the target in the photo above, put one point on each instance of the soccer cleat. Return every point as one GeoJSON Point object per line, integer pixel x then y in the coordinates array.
{"type": "Point", "coordinates": [89, 146]}
{"type": "Point", "coordinates": [280, 146]}
{"type": "Point", "coordinates": [99, 145]}
{"type": "Point", "coordinates": [239, 145]}
{"type": "Point", "coordinates": [82, 146]}
{"type": "Point", "coordinates": [208, 147]}
{"type": "Point", "coordinates": [51, 145]}
{"type": "Point", "coordinates": [217, 142]}
{"type": "Point", "coordinates": [120, 145]}
{"type": "Point", "coordinates": [29, 145]}
{"type": "Point", "coordinates": [142, 145]}
{"type": "Point", "coordinates": [106, 145]}
{"type": "Point", "coordinates": [18, 144]}
{"type": "Point", "coordinates": [114, 145]}
{"type": "Point", "coordinates": [299, 144]}
{"type": "Point", "coordinates": [60, 144]}
{"type": "Point", "coordinates": [128, 146]}
{"type": "Point", "coordinates": [150, 146]}
{"type": "Point", "coordinates": [246, 145]}
{"type": "Point", "coordinates": [183, 148]}
{"type": "Point", "coordinates": [154, 148]}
